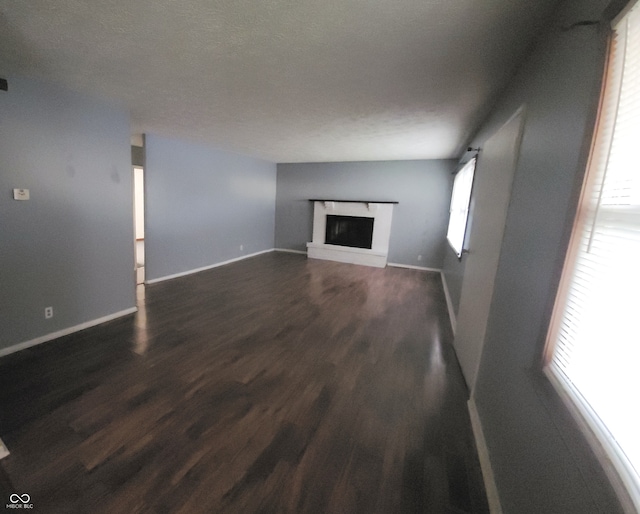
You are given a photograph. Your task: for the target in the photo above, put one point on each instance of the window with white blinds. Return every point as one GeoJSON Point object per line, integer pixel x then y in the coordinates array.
{"type": "Point", "coordinates": [459, 210]}
{"type": "Point", "coordinates": [593, 350]}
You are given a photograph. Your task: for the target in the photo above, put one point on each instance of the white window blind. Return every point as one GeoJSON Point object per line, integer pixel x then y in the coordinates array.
{"type": "Point", "coordinates": [594, 341]}
{"type": "Point", "coordinates": [459, 210]}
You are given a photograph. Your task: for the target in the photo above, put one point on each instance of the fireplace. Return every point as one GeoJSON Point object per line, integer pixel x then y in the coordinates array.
{"type": "Point", "coordinates": [357, 232]}
{"type": "Point", "coordinates": [353, 231]}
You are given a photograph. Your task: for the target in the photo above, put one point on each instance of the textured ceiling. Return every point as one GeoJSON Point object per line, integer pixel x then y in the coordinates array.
{"type": "Point", "coordinates": [285, 80]}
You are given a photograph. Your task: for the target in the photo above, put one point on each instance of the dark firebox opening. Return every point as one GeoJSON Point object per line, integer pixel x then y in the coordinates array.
{"type": "Point", "coordinates": [353, 231]}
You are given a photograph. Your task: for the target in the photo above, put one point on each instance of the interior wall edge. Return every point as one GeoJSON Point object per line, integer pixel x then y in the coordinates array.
{"type": "Point", "coordinates": [493, 497]}
{"type": "Point", "coordinates": [450, 308]}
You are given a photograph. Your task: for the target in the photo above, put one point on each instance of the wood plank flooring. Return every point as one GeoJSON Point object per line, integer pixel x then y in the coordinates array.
{"type": "Point", "coordinates": [273, 385]}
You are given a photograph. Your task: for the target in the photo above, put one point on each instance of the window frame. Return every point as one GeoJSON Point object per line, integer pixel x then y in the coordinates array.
{"type": "Point", "coordinates": [471, 165]}
{"type": "Point", "coordinates": [615, 465]}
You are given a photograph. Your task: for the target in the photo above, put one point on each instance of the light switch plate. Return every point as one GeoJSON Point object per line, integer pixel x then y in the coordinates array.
{"type": "Point", "coordinates": [20, 194]}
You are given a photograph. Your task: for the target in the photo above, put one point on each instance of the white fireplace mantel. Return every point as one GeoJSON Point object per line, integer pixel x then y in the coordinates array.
{"type": "Point", "coordinates": [381, 212]}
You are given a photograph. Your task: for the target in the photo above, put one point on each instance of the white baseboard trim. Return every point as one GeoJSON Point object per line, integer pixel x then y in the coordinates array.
{"type": "Point", "coordinates": [287, 250]}
{"type": "Point", "coordinates": [4, 451]}
{"type": "Point", "coordinates": [447, 296]}
{"type": "Point", "coordinates": [485, 462]}
{"type": "Point", "coordinates": [409, 266]}
{"type": "Point", "coordinates": [205, 268]}
{"type": "Point", "coordinates": [64, 332]}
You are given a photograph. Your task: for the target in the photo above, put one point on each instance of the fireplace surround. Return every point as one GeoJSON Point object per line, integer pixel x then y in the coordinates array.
{"type": "Point", "coordinates": [352, 231]}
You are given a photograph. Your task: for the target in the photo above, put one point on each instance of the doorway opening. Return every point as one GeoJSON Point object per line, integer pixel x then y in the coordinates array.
{"type": "Point", "coordinates": [138, 210]}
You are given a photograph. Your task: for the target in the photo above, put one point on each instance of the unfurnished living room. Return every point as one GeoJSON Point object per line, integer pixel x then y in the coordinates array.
{"type": "Point", "coordinates": [319, 257]}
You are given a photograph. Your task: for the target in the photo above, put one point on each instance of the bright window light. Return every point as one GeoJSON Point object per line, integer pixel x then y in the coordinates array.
{"type": "Point", "coordinates": [593, 349]}
{"type": "Point", "coordinates": [459, 210]}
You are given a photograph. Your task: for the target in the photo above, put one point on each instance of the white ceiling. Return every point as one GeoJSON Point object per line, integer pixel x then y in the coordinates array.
{"type": "Point", "coordinates": [285, 80]}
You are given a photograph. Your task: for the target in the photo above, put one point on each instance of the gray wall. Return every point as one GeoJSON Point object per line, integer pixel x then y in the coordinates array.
{"type": "Point", "coordinates": [419, 225]}
{"type": "Point", "coordinates": [202, 204]}
{"type": "Point", "coordinates": [71, 245]}
{"type": "Point", "coordinates": [540, 459]}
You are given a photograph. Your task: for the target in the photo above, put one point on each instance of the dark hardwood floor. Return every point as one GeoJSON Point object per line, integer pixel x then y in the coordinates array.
{"type": "Point", "coordinates": [273, 385]}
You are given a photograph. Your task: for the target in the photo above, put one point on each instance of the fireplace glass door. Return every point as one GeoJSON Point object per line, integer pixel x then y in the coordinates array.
{"type": "Point", "coordinates": [353, 231]}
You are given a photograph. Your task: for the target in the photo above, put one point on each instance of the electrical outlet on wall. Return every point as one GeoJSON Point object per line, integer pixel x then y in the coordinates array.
{"type": "Point", "coordinates": [242, 248]}
{"type": "Point", "coordinates": [48, 312]}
